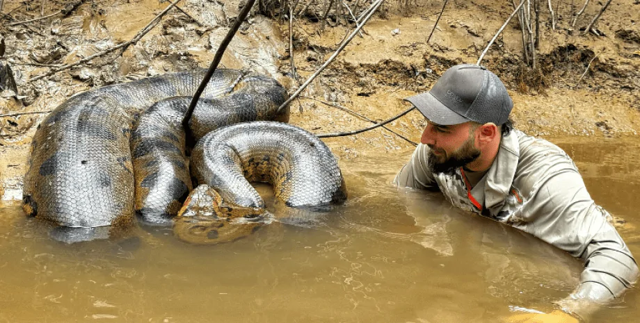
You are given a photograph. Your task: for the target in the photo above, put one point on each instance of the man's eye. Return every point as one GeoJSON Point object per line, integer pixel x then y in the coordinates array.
{"type": "Point", "coordinates": [441, 129]}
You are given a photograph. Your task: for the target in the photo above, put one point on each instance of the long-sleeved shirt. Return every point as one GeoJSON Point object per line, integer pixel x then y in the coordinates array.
{"type": "Point", "coordinates": [534, 185]}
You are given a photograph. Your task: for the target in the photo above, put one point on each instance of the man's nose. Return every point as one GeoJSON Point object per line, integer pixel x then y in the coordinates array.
{"type": "Point", "coordinates": [427, 136]}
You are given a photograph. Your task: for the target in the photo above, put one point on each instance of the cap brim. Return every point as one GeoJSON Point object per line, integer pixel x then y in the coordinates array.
{"type": "Point", "coordinates": [435, 111]}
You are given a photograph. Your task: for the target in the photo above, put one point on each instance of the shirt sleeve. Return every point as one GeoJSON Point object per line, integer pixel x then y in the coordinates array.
{"type": "Point", "coordinates": [563, 214]}
{"type": "Point", "coordinates": [416, 173]}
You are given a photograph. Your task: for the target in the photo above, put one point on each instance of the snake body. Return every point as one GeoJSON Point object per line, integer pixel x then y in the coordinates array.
{"type": "Point", "coordinates": [299, 166]}
{"type": "Point", "coordinates": [81, 170]}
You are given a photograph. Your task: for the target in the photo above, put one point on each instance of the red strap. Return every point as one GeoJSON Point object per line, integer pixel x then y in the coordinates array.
{"type": "Point", "coordinates": [471, 198]}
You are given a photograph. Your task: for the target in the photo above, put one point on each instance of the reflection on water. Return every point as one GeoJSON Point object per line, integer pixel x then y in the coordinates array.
{"type": "Point", "coordinates": [386, 256]}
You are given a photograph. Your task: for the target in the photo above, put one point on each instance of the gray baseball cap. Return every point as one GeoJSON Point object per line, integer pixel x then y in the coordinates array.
{"type": "Point", "coordinates": [465, 93]}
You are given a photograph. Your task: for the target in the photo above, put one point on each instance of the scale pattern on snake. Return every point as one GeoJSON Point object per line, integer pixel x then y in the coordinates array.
{"type": "Point", "coordinates": [298, 165]}
{"type": "Point", "coordinates": [81, 170]}
{"type": "Point", "coordinates": [95, 150]}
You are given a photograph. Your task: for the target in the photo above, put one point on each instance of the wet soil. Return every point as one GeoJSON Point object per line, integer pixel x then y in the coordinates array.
{"type": "Point", "coordinates": [584, 85]}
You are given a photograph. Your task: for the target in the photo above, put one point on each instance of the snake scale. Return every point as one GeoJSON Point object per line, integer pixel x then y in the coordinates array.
{"type": "Point", "coordinates": [107, 154]}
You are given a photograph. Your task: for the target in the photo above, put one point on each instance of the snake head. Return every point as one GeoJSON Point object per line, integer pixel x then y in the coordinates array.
{"type": "Point", "coordinates": [206, 218]}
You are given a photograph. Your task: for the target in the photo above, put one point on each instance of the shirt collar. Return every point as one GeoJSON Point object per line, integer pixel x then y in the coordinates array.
{"type": "Point", "coordinates": [496, 184]}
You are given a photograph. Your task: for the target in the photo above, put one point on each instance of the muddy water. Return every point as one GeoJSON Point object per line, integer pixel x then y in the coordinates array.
{"type": "Point", "coordinates": [386, 256]}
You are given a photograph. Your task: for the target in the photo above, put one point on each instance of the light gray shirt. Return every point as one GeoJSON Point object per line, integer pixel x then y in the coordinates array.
{"type": "Point", "coordinates": [534, 185]}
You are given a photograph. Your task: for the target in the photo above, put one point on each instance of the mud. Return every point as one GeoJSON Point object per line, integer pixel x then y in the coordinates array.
{"type": "Point", "coordinates": [585, 85]}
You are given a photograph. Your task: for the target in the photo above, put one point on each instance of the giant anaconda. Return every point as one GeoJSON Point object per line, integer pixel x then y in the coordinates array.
{"type": "Point", "coordinates": [109, 153]}
{"type": "Point", "coordinates": [299, 166]}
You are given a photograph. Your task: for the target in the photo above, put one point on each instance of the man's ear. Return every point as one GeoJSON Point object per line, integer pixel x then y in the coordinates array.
{"type": "Point", "coordinates": [487, 132]}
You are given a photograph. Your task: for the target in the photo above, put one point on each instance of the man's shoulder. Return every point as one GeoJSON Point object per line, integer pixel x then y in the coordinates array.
{"type": "Point", "coordinates": [531, 146]}
{"type": "Point", "coordinates": [540, 159]}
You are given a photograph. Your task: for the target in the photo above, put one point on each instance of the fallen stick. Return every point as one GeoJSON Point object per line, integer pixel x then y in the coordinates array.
{"type": "Point", "coordinates": [573, 24]}
{"type": "Point", "coordinates": [536, 42]}
{"type": "Point", "coordinates": [499, 31]}
{"type": "Point", "coordinates": [65, 11]}
{"type": "Point", "coordinates": [326, 14]}
{"type": "Point", "coordinates": [341, 134]}
{"type": "Point", "coordinates": [214, 64]}
{"type": "Point", "coordinates": [525, 44]}
{"type": "Point", "coordinates": [586, 70]}
{"type": "Point", "coordinates": [436, 24]}
{"type": "Point", "coordinates": [294, 74]}
{"type": "Point", "coordinates": [375, 6]}
{"type": "Point", "coordinates": [35, 19]}
{"type": "Point", "coordinates": [588, 29]}
{"type": "Point", "coordinates": [190, 16]}
{"type": "Point", "coordinates": [22, 113]}
{"type": "Point", "coordinates": [356, 114]}
{"type": "Point", "coordinates": [354, 19]}
{"type": "Point", "coordinates": [134, 40]}
{"type": "Point", "coordinates": [553, 16]}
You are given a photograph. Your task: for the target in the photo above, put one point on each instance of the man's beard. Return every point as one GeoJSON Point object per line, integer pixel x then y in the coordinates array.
{"type": "Point", "coordinates": [445, 162]}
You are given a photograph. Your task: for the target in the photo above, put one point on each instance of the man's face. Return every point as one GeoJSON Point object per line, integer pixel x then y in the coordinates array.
{"type": "Point", "coordinates": [451, 146]}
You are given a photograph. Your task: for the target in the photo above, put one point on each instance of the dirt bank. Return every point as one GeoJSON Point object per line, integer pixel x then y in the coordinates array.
{"type": "Point", "coordinates": [584, 84]}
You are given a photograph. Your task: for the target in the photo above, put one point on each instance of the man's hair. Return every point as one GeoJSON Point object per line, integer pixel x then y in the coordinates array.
{"type": "Point", "coordinates": [507, 127]}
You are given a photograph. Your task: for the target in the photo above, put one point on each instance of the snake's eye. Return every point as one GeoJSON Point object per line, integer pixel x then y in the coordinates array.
{"type": "Point", "coordinates": [213, 234]}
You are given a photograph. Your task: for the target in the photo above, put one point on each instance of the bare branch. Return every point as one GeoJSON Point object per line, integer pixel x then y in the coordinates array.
{"type": "Point", "coordinates": [294, 74]}
{"type": "Point", "coordinates": [23, 113]}
{"type": "Point", "coordinates": [499, 31]}
{"type": "Point", "coordinates": [326, 14]}
{"type": "Point", "coordinates": [35, 19]}
{"type": "Point", "coordinates": [586, 70]}
{"type": "Point", "coordinates": [354, 18]}
{"type": "Point", "coordinates": [340, 134]}
{"type": "Point", "coordinates": [579, 13]}
{"type": "Point", "coordinates": [214, 64]}
{"type": "Point", "coordinates": [190, 16]}
{"type": "Point", "coordinates": [588, 29]}
{"type": "Point", "coordinates": [525, 43]}
{"type": "Point", "coordinates": [356, 114]}
{"type": "Point", "coordinates": [124, 45]}
{"type": "Point", "coordinates": [553, 16]}
{"type": "Point", "coordinates": [373, 9]}
{"type": "Point", "coordinates": [436, 24]}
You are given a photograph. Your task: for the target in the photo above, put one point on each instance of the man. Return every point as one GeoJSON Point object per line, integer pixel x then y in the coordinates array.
{"type": "Point", "coordinates": [470, 153]}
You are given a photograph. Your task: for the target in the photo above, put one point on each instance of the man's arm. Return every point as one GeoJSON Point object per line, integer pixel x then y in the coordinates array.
{"type": "Point", "coordinates": [416, 173]}
{"type": "Point", "coordinates": [562, 213]}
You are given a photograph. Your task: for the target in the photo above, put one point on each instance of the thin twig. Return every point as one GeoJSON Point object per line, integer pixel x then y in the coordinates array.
{"type": "Point", "coordinates": [23, 113]}
{"type": "Point", "coordinates": [214, 64]}
{"type": "Point", "coordinates": [351, 112]}
{"type": "Point", "coordinates": [190, 16]}
{"type": "Point", "coordinates": [355, 7]}
{"type": "Point", "coordinates": [375, 6]}
{"type": "Point", "coordinates": [536, 42]}
{"type": "Point", "coordinates": [35, 64]}
{"type": "Point", "coordinates": [326, 14]}
{"type": "Point", "coordinates": [588, 29]}
{"type": "Point", "coordinates": [348, 133]}
{"type": "Point", "coordinates": [525, 44]}
{"type": "Point", "coordinates": [294, 74]}
{"type": "Point", "coordinates": [586, 70]}
{"type": "Point", "coordinates": [35, 19]}
{"type": "Point", "coordinates": [553, 16]}
{"type": "Point", "coordinates": [499, 31]}
{"type": "Point", "coordinates": [124, 45]}
{"type": "Point", "coordinates": [573, 24]}
{"type": "Point", "coordinates": [65, 11]}
{"type": "Point", "coordinates": [354, 19]}
{"type": "Point", "coordinates": [436, 24]}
